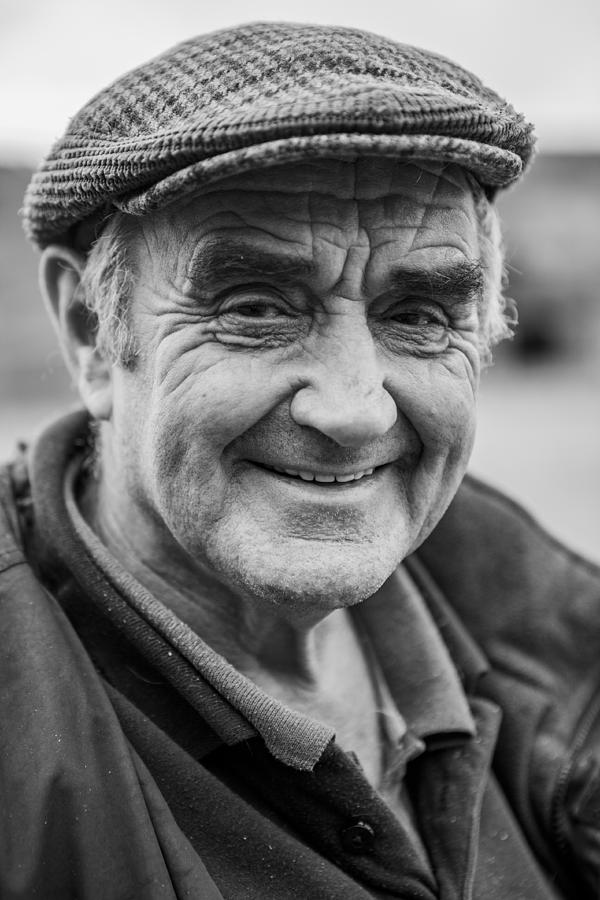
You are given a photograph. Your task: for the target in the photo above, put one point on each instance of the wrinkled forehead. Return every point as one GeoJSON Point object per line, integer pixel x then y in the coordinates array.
{"type": "Point", "coordinates": [363, 178]}
{"type": "Point", "coordinates": [411, 185]}
{"type": "Point", "coordinates": [366, 213]}
{"type": "Point", "coordinates": [377, 192]}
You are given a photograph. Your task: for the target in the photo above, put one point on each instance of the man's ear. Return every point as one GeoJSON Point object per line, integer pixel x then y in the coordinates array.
{"type": "Point", "coordinates": [60, 283]}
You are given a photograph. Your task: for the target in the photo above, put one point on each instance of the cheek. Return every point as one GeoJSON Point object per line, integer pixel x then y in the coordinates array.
{"type": "Point", "coordinates": [439, 401]}
{"type": "Point", "coordinates": [201, 408]}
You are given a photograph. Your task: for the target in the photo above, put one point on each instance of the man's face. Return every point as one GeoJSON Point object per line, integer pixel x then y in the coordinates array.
{"type": "Point", "coordinates": [303, 406]}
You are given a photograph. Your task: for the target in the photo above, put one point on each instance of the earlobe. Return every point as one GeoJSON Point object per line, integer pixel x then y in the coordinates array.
{"type": "Point", "coordinates": [60, 274]}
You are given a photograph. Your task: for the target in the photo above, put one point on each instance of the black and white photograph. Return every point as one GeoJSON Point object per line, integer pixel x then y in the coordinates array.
{"type": "Point", "coordinates": [299, 450]}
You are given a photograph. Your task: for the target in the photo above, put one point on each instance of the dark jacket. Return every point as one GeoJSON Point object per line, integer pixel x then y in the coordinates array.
{"type": "Point", "coordinates": [85, 808]}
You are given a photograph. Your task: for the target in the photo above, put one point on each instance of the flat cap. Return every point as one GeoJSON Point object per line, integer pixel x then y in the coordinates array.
{"type": "Point", "coordinates": [260, 95]}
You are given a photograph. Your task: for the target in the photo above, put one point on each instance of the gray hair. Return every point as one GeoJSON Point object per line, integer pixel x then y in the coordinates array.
{"type": "Point", "coordinates": [498, 316]}
{"type": "Point", "coordinates": [108, 281]}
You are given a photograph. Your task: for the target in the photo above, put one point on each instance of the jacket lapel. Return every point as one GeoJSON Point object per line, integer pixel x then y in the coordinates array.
{"type": "Point", "coordinates": [448, 790]}
{"type": "Point", "coordinates": [477, 846]}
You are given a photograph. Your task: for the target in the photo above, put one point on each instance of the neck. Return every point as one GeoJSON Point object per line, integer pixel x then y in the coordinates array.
{"type": "Point", "coordinates": [254, 636]}
{"type": "Point", "coordinates": [317, 668]}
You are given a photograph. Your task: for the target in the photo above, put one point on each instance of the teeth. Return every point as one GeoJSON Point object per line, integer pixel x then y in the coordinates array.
{"type": "Point", "coordinates": [328, 479]}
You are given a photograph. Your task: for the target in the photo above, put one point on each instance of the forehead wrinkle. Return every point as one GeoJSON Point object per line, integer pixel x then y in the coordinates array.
{"type": "Point", "coordinates": [450, 226]}
{"type": "Point", "coordinates": [436, 204]}
{"type": "Point", "coordinates": [455, 181]}
{"type": "Point", "coordinates": [424, 211]}
{"type": "Point", "coordinates": [415, 211]}
{"type": "Point", "coordinates": [365, 178]}
{"type": "Point", "coordinates": [442, 221]}
{"type": "Point", "coordinates": [354, 243]}
{"type": "Point", "coordinates": [422, 208]}
{"type": "Point", "coordinates": [333, 223]}
{"type": "Point", "coordinates": [410, 229]}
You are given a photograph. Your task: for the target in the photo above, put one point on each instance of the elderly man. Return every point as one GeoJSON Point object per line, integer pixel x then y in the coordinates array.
{"type": "Point", "coordinates": [258, 641]}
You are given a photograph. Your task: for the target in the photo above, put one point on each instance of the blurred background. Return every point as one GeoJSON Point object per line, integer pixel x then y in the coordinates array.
{"type": "Point", "coordinates": [539, 432]}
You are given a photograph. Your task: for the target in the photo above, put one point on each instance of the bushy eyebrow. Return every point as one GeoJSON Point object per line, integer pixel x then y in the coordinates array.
{"type": "Point", "coordinates": [456, 281]}
{"type": "Point", "coordinates": [217, 262]}
{"type": "Point", "coordinates": [228, 260]}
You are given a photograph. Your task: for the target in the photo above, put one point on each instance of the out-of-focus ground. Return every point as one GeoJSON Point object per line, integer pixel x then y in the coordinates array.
{"type": "Point", "coordinates": [539, 422]}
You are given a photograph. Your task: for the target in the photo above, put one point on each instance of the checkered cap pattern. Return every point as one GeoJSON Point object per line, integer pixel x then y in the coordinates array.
{"type": "Point", "coordinates": [260, 95]}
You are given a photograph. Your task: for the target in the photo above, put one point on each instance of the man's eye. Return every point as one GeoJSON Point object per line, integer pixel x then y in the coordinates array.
{"type": "Point", "coordinates": [255, 308]}
{"type": "Point", "coordinates": [420, 317]}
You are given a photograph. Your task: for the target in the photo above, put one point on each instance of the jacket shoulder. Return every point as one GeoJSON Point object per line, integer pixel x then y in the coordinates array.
{"type": "Point", "coordinates": [509, 580]}
{"type": "Point", "coordinates": [533, 607]}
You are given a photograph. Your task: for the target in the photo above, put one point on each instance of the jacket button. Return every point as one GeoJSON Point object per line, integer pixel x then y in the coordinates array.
{"type": "Point", "coordinates": [358, 837]}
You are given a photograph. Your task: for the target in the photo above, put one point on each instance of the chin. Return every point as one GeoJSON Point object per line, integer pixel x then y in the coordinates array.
{"type": "Point", "coordinates": [309, 579]}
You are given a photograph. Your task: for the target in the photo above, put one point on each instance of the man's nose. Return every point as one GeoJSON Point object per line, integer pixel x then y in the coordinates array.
{"type": "Point", "coordinates": [344, 396]}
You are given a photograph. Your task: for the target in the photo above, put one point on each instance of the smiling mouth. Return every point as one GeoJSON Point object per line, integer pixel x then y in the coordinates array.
{"type": "Point", "coordinates": [328, 478]}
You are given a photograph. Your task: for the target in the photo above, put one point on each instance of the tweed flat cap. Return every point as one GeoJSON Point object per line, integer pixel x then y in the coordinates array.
{"type": "Point", "coordinates": [260, 95]}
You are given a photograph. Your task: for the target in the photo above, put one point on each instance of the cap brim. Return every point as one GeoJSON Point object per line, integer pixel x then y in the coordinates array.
{"type": "Point", "coordinates": [494, 167]}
